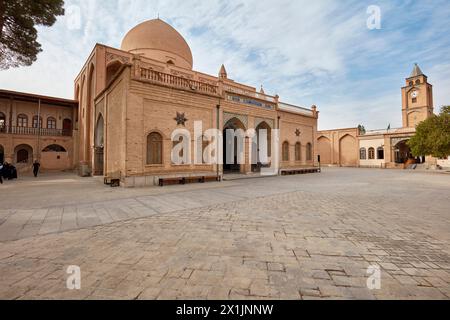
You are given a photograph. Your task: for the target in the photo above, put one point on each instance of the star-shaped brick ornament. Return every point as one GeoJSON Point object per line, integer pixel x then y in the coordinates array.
{"type": "Point", "coordinates": [298, 133]}
{"type": "Point", "coordinates": [181, 119]}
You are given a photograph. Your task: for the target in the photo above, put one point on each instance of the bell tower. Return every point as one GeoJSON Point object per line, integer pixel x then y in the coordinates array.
{"type": "Point", "coordinates": [417, 99]}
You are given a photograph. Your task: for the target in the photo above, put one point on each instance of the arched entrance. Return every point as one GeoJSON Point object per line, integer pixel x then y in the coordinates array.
{"type": "Point", "coordinates": [348, 151]}
{"type": "Point", "coordinates": [324, 149]}
{"type": "Point", "coordinates": [231, 148]}
{"type": "Point", "coordinates": [23, 154]}
{"type": "Point", "coordinates": [2, 154]}
{"type": "Point", "coordinates": [99, 147]}
{"type": "Point", "coordinates": [259, 144]}
{"type": "Point", "coordinates": [402, 152]}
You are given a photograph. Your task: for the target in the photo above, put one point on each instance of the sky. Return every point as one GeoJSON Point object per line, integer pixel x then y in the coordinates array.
{"type": "Point", "coordinates": [308, 52]}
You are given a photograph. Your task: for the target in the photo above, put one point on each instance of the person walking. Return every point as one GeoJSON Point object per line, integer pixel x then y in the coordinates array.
{"type": "Point", "coordinates": [36, 166]}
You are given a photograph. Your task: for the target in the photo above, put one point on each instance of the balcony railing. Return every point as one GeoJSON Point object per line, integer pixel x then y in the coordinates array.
{"type": "Point", "coordinates": [253, 94]}
{"type": "Point", "coordinates": [27, 131]}
{"type": "Point", "coordinates": [178, 82]}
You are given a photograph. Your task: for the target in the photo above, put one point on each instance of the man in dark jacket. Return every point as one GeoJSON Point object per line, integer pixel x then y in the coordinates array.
{"type": "Point", "coordinates": [36, 166]}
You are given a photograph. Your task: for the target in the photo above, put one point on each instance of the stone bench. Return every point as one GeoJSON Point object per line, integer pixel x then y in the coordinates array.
{"type": "Point", "coordinates": [185, 180]}
{"type": "Point", "coordinates": [295, 171]}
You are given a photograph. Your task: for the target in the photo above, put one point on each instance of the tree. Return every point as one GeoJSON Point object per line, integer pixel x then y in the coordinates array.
{"type": "Point", "coordinates": [361, 130]}
{"type": "Point", "coordinates": [433, 136]}
{"type": "Point", "coordinates": [18, 35]}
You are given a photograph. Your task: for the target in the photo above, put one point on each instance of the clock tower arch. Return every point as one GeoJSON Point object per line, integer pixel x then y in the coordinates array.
{"type": "Point", "coordinates": [417, 99]}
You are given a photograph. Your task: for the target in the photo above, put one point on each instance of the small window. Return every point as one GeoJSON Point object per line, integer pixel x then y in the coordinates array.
{"type": "Point", "coordinates": [363, 154]}
{"type": "Point", "coordinates": [309, 152]}
{"type": "Point", "coordinates": [286, 151]}
{"type": "Point", "coordinates": [35, 122]}
{"type": "Point", "coordinates": [51, 123]}
{"type": "Point", "coordinates": [414, 100]}
{"type": "Point", "coordinates": [371, 154]}
{"type": "Point", "coordinates": [22, 121]}
{"type": "Point", "coordinates": [417, 81]}
{"type": "Point", "coordinates": [380, 153]}
{"type": "Point", "coordinates": [411, 83]}
{"type": "Point", "coordinates": [2, 121]}
{"type": "Point", "coordinates": [298, 151]}
{"type": "Point", "coordinates": [154, 148]}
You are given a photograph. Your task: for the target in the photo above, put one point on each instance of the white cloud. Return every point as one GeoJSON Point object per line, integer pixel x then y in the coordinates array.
{"type": "Point", "coordinates": [308, 52]}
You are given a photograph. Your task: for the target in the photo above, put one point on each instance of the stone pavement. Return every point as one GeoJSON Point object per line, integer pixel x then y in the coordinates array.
{"type": "Point", "coordinates": [294, 237]}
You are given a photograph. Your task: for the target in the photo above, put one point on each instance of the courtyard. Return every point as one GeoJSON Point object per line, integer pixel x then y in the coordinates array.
{"type": "Point", "coordinates": [293, 237]}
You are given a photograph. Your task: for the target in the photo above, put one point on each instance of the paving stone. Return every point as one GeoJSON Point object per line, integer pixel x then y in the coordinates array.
{"type": "Point", "coordinates": [299, 237]}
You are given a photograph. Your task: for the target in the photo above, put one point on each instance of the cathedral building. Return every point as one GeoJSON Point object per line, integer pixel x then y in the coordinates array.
{"type": "Point", "coordinates": [132, 99]}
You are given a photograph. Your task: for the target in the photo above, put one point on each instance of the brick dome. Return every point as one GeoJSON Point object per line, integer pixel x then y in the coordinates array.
{"type": "Point", "coordinates": [155, 39]}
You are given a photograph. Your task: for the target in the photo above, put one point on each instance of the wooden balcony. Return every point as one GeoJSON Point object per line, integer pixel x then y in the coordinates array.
{"type": "Point", "coordinates": [28, 131]}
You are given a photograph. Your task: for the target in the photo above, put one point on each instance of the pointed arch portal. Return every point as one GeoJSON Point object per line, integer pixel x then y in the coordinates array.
{"type": "Point", "coordinates": [99, 146]}
{"type": "Point", "coordinates": [233, 166]}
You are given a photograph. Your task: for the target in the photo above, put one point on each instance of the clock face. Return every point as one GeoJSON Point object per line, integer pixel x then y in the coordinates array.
{"type": "Point", "coordinates": [414, 94]}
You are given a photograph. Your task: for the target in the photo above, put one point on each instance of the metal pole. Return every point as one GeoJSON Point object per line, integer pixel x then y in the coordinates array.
{"type": "Point", "coordinates": [38, 154]}
{"type": "Point", "coordinates": [217, 151]}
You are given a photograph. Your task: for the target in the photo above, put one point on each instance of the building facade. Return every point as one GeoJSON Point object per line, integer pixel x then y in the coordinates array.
{"type": "Point", "coordinates": [36, 127]}
{"type": "Point", "coordinates": [382, 148]}
{"type": "Point", "coordinates": [132, 99]}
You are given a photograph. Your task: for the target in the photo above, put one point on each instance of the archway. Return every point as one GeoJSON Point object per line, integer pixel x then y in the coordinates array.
{"type": "Point", "coordinates": [112, 69]}
{"type": "Point", "coordinates": [2, 154]}
{"type": "Point", "coordinates": [55, 157]}
{"type": "Point", "coordinates": [99, 147]}
{"type": "Point", "coordinates": [348, 151]}
{"type": "Point", "coordinates": [402, 152]}
{"type": "Point", "coordinates": [23, 154]}
{"type": "Point", "coordinates": [231, 148]}
{"type": "Point", "coordinates": [324, 149]}
{"type": "Point", "coordinates": [259, 144]}
{"type": "Point", "coordinates": [89, 121]}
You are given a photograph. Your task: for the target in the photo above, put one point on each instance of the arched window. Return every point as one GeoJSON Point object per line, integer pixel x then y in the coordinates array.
{"type": "Point", "coordinates": [417, 81]}
{"type": "Point", "coordinates": [22, 156]}
{"type": "Point", "coordinates": [35, 122]}
{"type": "Point", "coordinates": [54, 148]}
{"type": "Point", "coordinates": [309, 152]}
{"type": "Point", "coordinates": [411, 83]}
{"type": "Point", "coordinates": [286, 151]}
{"type": "Point", "coordinates": [371, 154]}
{"type": "Point", "coordinates": [380, 153]}
{"type": "Point", "coordinates": [22, 121]}
{"type": "Point", "coordinates": [363, 154]}
{"type": "Point", "coordinates": [51, 123]}
{"type": "Point", "coordinates": [2, 122]}
{"type": "Point", "coordinates": [154, 148]}
{"type": "Point", "coordinates": [298, 151]}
